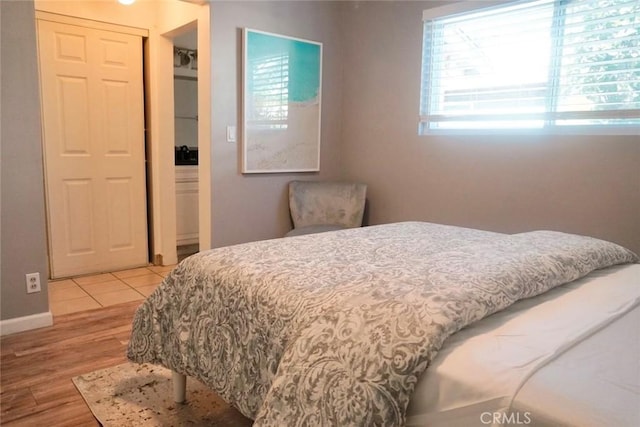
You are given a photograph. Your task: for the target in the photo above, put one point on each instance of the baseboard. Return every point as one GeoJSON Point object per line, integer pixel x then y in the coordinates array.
{"type": "Point", "coordinates": [26, 323]}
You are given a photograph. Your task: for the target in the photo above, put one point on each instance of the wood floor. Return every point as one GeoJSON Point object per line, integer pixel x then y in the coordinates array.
{"type": "Point", "coordinates": [36, 367]}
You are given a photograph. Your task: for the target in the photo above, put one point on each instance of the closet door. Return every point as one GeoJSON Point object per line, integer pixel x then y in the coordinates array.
{"type": "Point", "coordinates": [93, 113]}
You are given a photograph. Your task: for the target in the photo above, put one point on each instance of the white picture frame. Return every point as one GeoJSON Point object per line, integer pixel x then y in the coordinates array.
{"type": "Point", "coordinates": [281, 97]}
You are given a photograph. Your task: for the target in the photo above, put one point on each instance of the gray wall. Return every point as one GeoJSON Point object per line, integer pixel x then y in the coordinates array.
{"type": "Point", "coordinates": [252, 207]}
{"type": "Point", "coordinates": [23, 219]}
{"type": "Point", "coordinates": [371, 79]}
{"type": "Point", "coordinates": [579, 184]}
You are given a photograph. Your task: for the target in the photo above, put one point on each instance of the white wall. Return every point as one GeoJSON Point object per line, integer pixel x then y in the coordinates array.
{"type": "Point", "coordinates": [186, 111]}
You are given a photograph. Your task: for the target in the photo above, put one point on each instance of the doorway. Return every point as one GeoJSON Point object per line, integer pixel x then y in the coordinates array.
{"type": "Point", "coordinates": [93, 127]}
{"type": "Point", "coordinates": [168, 19]}
{"type": "Point", "coordinates": [185, 94]}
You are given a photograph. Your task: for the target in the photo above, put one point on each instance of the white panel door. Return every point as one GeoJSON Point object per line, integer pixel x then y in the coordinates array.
{"type": "Point", "coordinates": [93, 123]}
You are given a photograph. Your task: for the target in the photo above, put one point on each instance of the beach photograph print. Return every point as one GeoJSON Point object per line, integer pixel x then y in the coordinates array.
{"type": "Point", "coordinates": [281, 103]}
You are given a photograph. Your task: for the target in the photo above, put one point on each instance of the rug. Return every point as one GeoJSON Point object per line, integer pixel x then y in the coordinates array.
{"type": "Point", "coordinates": [142, 395]}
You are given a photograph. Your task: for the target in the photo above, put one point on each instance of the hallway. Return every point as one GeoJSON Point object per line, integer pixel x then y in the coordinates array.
{"type": "Point", "coordinates": [103, 290]}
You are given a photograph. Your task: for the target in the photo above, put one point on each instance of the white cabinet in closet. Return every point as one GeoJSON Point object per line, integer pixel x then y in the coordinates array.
{"type": "Point", "coordinates": [186, 205]}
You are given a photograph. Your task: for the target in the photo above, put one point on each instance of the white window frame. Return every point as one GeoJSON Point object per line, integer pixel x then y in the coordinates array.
{"type": "Point", "coordinates": [470, 6]}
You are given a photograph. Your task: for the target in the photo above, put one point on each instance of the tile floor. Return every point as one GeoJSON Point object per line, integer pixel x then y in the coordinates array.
{"type": "Point", "coordinates": [102, 290]}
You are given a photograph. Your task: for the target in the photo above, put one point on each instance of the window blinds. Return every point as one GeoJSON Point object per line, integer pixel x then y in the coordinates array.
{"type": "Point", "coordinates": [269, 80]}
{"type": "Point", "coordinates": [533, 64]}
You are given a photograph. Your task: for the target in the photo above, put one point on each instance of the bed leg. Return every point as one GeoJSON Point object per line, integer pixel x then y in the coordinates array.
{"type": "Point", "coordinates": [179, 387]}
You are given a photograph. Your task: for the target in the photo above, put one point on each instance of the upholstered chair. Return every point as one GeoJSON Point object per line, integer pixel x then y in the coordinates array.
{"type": "Point", "coordinates": [318, 206]}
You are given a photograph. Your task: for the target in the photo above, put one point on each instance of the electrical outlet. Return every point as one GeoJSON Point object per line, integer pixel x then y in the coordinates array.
{"type": "Point", "coordinates": [33, 283]}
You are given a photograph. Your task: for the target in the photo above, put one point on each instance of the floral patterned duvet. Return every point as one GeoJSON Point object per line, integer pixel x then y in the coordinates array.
{"type": "Point", "coordinates": [335, 328]}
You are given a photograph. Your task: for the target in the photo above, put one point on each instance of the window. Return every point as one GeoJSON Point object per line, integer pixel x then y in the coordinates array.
{"type": "Point", "coordinates": [269, 80]}
{"type": "Point", "coordinates": [545, 64]}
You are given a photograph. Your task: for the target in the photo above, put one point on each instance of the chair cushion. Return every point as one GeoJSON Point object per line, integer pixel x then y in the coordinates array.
{"type": "Point", "coordinates": [311, 229]}
{"type": "Point", "coordinates": [323, 202]}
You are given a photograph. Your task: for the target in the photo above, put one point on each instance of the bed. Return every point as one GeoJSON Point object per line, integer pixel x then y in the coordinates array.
{"type": "Point", "coordinates": [407, 323]}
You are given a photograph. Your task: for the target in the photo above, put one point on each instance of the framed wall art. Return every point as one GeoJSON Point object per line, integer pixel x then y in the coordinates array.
{"type": "Point", "coordinates": [185, 62]}
{"type": "Point", "coordinates": [282, 86]}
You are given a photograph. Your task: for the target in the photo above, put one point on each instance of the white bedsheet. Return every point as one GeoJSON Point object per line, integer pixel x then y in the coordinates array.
{"type": "Point", "coordinates": [534, 363]}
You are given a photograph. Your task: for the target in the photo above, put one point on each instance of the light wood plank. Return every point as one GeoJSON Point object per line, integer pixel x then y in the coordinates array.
{"type": "Point", "coordinates": [36, 367]}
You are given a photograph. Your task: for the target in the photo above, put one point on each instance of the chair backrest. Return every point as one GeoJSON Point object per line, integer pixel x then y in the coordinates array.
{"type": "Point", "coordinates": [331, 203]}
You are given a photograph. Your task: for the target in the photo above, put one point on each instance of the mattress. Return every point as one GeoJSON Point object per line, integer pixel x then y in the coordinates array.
{"type": "Point", "coordinates": [567, 357]}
